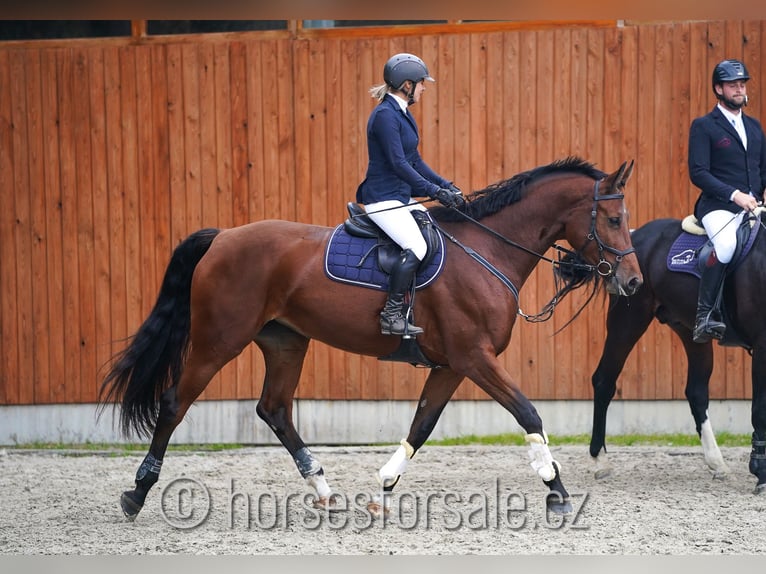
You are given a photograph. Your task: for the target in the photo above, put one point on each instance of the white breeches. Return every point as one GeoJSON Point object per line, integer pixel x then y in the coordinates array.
{"type": "Point", "coordinates": [721, 227]}
{"type": "Point", "coordinates": [398, 224]}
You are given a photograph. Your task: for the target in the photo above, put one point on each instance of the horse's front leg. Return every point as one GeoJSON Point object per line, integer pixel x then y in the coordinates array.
{"type": "Point", "coordinates": [439, 388]}
{"type": "Point", "coordinates": [487, 372]}
{"type": "Point", "coordinates": [626, 321]}
{"type": "Point", "coordinates": [699, 360]}
{"type": "Point", "coordinates": [757, 464]}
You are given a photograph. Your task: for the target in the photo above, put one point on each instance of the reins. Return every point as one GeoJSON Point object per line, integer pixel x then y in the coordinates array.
{"type": "Point", "coordinates": [603, 268]}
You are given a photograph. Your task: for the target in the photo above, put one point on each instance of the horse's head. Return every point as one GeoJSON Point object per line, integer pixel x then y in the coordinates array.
{"type": "Point", "coordinates": [608, 245]}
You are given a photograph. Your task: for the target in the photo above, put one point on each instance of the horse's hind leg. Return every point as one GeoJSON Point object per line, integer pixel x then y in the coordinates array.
{"type": "Point", "coordinates": [284, 351]}
{"type": "Point", "coordinates": [699, 359]}
{"type": "Point", "coordinates": [174, 403]}
{"type": "Point", "coordinates": [439, 388]}
{"type": "Point", "coordinates": [627, 320]}
{"type": "Point", "coordinates": [757, 464]}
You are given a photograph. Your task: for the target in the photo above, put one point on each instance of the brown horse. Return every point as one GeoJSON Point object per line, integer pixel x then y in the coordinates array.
{"type": "Point", "coordinates": [266, 282]}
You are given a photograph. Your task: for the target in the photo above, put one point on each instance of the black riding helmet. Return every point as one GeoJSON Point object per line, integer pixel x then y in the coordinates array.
{"type": "Point", "coordinates": [729, 71]}
{"type": "Point", "coordinates": [403, 67]}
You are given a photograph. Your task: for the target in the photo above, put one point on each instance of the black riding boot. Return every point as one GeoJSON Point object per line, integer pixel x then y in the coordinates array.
{"type": "Point", "coordinates": [392, 318]}
{"type": "Point", "coordinates": [707, 325]}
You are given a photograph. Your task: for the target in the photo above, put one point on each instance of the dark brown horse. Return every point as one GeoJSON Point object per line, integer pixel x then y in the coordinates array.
{"type": "Point", "coordinates": [671, 298]}
{"type": "Point", "coordinates": [265, 282]}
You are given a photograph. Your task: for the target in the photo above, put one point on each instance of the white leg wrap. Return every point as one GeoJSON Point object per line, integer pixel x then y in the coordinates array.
{"type": "Point", "coordinates": [713, 456]}
{"type": "Point", "coordinates": [540, 455]}
{"type": "Point", "coordinates": [319, 483]}
{"type": "Point", "coordinates": [397, 464]}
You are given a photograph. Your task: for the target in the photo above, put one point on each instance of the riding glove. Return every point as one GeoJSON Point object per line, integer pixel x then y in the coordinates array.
{"type": "Point", "coordinates": [448, 198]}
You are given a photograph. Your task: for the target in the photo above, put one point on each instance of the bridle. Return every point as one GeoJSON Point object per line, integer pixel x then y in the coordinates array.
{"type": "Point", "coordinates": [604, 268]}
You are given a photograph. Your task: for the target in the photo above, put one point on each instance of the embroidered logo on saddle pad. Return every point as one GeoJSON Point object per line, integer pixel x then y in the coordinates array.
{"type": "Point", "coordinates": [354, 260]}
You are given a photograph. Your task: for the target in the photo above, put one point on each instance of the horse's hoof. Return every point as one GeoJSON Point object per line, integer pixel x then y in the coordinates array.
{"type": "Point", "coordinates": [324, 503]}
{"type": "Point", "coordinates": [130, 507]}
{"type": "Point", "coordinates": [376, 509]}
{"type": "Point", "coordinates": [558, 506]}
{"type": "Point", "coordinates": [601, 468]}
{"type": "Point", "coordinates": [720, 474]}
{"type": "Point", "coordinates": [760, 488]}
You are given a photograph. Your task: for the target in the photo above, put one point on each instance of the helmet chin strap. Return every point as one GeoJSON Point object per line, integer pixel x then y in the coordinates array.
{"type": "Point", "coordinates": [411, 94]}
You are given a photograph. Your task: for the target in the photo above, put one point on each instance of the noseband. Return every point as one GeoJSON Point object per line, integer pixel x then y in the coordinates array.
{"type": "Point", "coordinates": [604, 267]}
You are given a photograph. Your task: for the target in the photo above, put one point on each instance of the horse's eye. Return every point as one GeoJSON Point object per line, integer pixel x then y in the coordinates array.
{"type": "Point", "coordinates": [615, 221]}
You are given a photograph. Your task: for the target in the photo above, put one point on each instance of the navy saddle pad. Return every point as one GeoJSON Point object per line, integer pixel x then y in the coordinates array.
{"type": "Point", "coordinates": [684, 253]}
{"type": "Point", "coordinates": [354, 260]}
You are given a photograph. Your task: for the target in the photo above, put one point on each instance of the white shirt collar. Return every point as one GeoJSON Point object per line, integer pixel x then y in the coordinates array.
{"type": "Point", "coordinates": [730, 116]}
{"type": "Point", "coordinates": [402, 103]}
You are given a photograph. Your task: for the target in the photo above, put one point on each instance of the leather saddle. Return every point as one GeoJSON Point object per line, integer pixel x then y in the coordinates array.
{"type": "Point", "coordinates": [359, 224]}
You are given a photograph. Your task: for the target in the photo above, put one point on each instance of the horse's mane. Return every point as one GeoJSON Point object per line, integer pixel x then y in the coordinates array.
{"type": "Point", "coordinates": [498, 195]}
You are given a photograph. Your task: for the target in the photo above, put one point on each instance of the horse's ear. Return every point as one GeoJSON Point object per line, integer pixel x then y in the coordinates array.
{"type": "Point", "coordinates": [625, 174]}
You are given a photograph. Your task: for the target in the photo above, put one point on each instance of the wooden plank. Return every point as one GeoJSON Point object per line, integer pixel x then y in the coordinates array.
{"type": "Point", "coordinates": [38, 380]}
{"type": "Point", "coordinates": [463, 89]}
{"type": "Point", "coordinates": [477, 111]}
{"type": "Point", "coordinates": [239, 127]}
{"type": "Point", "coordinates": [256, 130]}
{"type": "Point", "coordinates": [176, 145]}
{"type": "Point", "coordinates": [445, 95]}
{"type": "Point", "coordinates": [158, 73]}
{"type": "Point", "coordinates": [270, 191]}
{"type": "Point", "coordinates": [134, 284]}
{"type": "Point", "coordinates": [192, 138]}
{"type": "Point", "coordinates": [103, 297]}
{"type": "Point", "coordinates": [115, 216]}
{"type": "Point", "coordinates": [9, 371]}
{"type": "Point", "coordinates": [69, 192]}
{"type": "Point", "coordinates": [286, 79]}
{"type": "Point", "coordinates": [23, 226]}
{"type": "Point", "coordinates": [53, 229]}
{"type": "Point", "coordinates": [83, 201]}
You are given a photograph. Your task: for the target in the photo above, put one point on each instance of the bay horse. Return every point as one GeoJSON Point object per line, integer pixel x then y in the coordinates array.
{"type": "Point", "coordinates": [671, 298]}
{"type": "Point", "coordinates": [265, 282]}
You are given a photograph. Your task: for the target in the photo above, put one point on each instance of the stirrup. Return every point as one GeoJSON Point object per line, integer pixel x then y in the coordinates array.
{"type": "Point", "coordinates": [707, 330]}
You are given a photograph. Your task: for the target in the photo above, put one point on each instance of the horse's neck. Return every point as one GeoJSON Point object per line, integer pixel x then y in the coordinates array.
{"type": "Point", "coordinates": [534, 226]}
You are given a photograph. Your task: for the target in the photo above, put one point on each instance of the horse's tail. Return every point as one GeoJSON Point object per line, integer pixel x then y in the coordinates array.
{"type": "Point", "coordinates": [154, 357]}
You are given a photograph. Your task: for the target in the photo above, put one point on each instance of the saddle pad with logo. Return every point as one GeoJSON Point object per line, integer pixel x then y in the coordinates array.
{"type": "Point", "coordinates": [354, 260]}
{"type": "Point", "coordinates": [683, 254]}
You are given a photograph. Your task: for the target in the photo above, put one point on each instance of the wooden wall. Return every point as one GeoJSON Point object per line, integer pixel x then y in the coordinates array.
{"type": "Point", "coordinates": [112, 152]}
